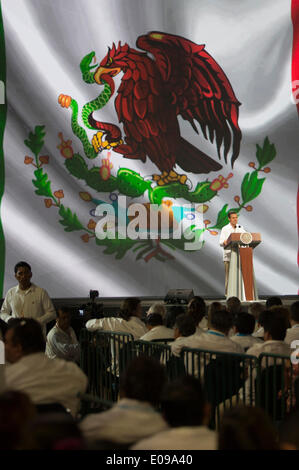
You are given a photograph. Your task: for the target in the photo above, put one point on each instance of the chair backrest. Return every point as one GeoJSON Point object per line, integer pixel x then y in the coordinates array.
{"type": "Point", "coordinates": [223, 378]}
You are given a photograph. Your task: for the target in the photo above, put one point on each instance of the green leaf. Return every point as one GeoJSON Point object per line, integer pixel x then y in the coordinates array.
{"type": "Point", "coordinates": [69, 219]}
{"type": "Point", "coordinates": [202, 192]}
{"type": "Point", "coordinates": [131, 183]}
{"type": "Point", "coordinates": [174, 190]}
{"type": "Point", "coordinates": [42, 183]}
{"type": "Point", "coordinates": [222, 217]}
{"type": "Point", "coordinates": [251, 186]}
{"type": "Point", "coordinates": [93, 180]}
{"type": "Point", "coordinates": [116, 246]}
{"type": "Point", "coordinates": [36, 140]}
{"type": "Point", "coordinates": [266, 154]}
{"type": "Point", "coordinates": [77, 166]}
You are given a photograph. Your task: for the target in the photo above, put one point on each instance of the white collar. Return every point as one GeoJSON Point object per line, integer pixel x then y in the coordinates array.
{"type": "Point", "coordinates": [25, 291]}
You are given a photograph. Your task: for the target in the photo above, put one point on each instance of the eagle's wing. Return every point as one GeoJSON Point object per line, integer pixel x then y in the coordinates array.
{"type": "Point", "coordinates": [198, 87]}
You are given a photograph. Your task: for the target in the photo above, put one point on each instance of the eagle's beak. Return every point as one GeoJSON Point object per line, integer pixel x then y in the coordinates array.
{"type": "Point", "coordinates": [103, 71]}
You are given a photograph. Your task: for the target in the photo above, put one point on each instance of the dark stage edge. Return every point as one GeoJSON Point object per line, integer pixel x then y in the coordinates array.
{"type": "Point", "coordinates": [112, 303]}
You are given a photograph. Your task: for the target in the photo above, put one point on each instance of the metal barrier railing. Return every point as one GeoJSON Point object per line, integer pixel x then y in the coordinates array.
{"type": "Point", "coordinates": [104, 356]}
{"type": "Point", "coordinates": [228, 378]}
{"type": "Point", "coordinates": [275, 382]}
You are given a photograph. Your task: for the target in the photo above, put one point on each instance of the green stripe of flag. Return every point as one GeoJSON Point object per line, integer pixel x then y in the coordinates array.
{"type": "Point", "coordinates": [2, 126]}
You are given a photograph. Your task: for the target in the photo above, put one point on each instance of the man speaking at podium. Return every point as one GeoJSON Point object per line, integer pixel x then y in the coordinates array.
{"type": "Point", "coordinates": [232, 227]}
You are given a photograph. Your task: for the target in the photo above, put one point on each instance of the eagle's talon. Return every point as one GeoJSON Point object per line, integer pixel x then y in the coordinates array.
{"type": "Point", "coordinates": [171, 177]}
{"type": "Point", "coordinates": [99, 144]}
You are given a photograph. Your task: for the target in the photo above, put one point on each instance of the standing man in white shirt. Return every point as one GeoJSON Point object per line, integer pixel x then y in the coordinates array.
{"type": "Point", "coordinates": [232, 227]}
{"type": "Point", "coordinates": [26, 299]}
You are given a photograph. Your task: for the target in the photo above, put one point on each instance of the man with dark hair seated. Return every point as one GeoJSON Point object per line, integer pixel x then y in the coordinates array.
{"type": "Point", "coordinates": [127, 321]}
{"type": "Point", "coordinates": [275, 327]}
{"type": "Point", "coordinates": [247, 428]}
{"type": "Point", "coordinates": [233, 305]}
{"type": "Point", "coordinates": [134, 416]}
{"type": "Point", "coordinates": [293, 332]}
{"type": "Point", "coordinates": [61, 340]}
{"type": "Point", "coordinates": [154, 323]}
{"type": "Point", "coordinates": [273, 301]}
{"type": "Point", "coordinates": [185, 409]}
{"type": "Point", "coordinates": [185, 334]}
{"type": "Point", "coordinates": [216, 338]}
{"type": "Point", "coordinates": [31, 371]}
{"type": "Point", "coordinates": [172, 313]}
{"type": "Point", "coordinates": [259, 332]}
{"type": "Point", "coordinates": [244, 325]}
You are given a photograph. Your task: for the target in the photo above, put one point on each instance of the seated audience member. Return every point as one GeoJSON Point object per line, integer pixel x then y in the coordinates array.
{"type": "Point", "coordinates": [56, 431]}
{"type": "Point", "coordinates": [255, 309]}
{"type": "Point", "coordinates": [26, 299]}
{"type": "Point", "coordinates": [16, 415]}
{"type": "Point", "coordinates": [244, 325]}
{"type": "Point", "coordinates": [134, 416]}
{"type": "Point", "coordinates": [128, 320]}
{"type": "Point", "coordinates": [274, 333]}
{"type": "Point", "coordinates": [31, 371]}
{"type": "Point", "coordinates": [216, 338]}
{"type": "Point", "coordinates": [233, 305]}
{"type": "Point", "coordinates": [284, 312]}
{"type": "Point", "coordinates": [293, 332]}
{"type": "Point", "coordinates": [272, 302]}
{"type": "Point", "coordinates": [197, 310]}
{"type": "Point", "coordinates": [157, 330]}
{"type": "Point", "coordinates": [172, 313]}
{"type": "Point", "coordinates": [288, 432]}
{"type": "Point", "coordinates": [159, 308]}
{"type": "Point", "coordinates": [186, 411]}
{"type": "Point", "coordinates": [246, 428]}
{"type": "Point", "coordinates": [275, 327]}
{"type": "Point", "coordinates": [259, 331]}
{"type": "Point", "coordinates": [61, 340]}
{"type": "Point", "coordinates": [185, 334]}
{"type": "Point", "coordinates": [213, 307]}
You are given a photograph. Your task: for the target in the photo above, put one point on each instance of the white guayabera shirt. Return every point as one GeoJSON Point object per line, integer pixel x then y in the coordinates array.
{"type": "Point", "coordinates": [47, 380]}
{"type": "Point", "coordinates": [225, 233]}
{"type": "Point", "coordinates": [32, 303]}
{"type": "Point", "coordinates": [134, 326]}
{"type": "Point", "coordinates": [292, 334]}
{"type": "Point", "coordinates": [62, 344]}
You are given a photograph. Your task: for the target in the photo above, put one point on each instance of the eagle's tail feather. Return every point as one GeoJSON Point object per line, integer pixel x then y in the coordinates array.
{"type": "Point", "coordinates": [193, 160]}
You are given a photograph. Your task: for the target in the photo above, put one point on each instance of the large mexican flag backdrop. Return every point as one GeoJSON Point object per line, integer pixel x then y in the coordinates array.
{"type": "Point", "coordinates": [158, 102]}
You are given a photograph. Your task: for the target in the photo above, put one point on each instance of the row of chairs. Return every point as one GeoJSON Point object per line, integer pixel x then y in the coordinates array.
{"type": "Point", "coordinates": [229, 379]}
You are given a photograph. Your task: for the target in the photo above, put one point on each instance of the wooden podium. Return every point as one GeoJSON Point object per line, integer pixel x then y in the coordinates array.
{"type": "Point", "coordinates": [241, 281]}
